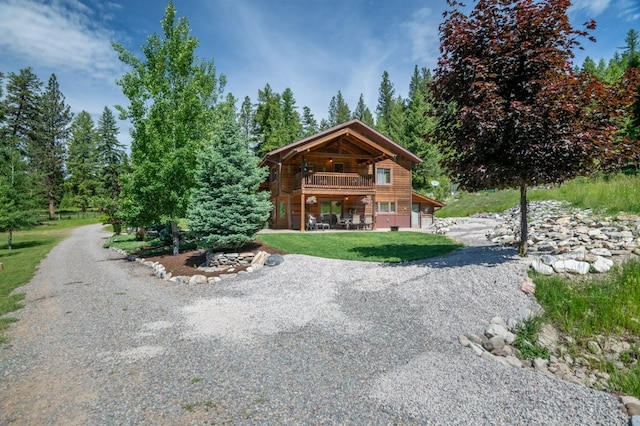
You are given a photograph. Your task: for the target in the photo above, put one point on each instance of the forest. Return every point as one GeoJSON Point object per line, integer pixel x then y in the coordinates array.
{"type": "Point", "coordinates": [186, 130]}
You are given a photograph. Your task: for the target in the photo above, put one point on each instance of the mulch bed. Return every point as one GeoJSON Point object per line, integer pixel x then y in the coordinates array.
{"type": "Point", "coordinates": [187, 262]}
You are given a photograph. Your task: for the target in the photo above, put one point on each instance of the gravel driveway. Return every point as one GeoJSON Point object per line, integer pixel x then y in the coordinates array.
{"type": "Point", "coordinates": [312, 341]}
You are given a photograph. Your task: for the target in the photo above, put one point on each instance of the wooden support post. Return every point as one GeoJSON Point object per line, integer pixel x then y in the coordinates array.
{"type": "Point", "coordinates": [303, 219]}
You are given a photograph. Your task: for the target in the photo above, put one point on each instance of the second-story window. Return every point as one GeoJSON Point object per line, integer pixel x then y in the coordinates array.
{"type": "Point", "coordinates": [384, 176]}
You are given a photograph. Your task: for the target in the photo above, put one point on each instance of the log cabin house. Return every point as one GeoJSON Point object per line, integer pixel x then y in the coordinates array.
{"type": "Point", "coordinates": [347, 171]}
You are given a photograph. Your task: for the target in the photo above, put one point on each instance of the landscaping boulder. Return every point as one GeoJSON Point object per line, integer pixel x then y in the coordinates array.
{"type": "Point", "coordinates": [274, 260]}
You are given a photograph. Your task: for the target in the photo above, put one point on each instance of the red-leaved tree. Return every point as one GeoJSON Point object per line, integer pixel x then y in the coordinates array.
{"type": "Point", "coordinates": [517, 115]}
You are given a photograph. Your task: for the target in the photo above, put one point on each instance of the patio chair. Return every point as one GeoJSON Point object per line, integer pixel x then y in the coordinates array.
{"type": "Point", "coordinates": [312, 223]}
{"type": "Point", "coordinates": [355, 221]}
{"type": "Point", "coordinates": [368, 222]}
{"type": "Point", "coordinates": [326, 222]}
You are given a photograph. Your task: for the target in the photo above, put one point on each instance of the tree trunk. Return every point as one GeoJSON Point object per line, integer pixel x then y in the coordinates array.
{"type": "Point", "coordinates": [524, 229]}
{"type": "Point", "coordinates": [10, 239]}
{"type": "Point", "coordinates": [176, 238]}
{"type": "Point", "coordinates": [52, 208]}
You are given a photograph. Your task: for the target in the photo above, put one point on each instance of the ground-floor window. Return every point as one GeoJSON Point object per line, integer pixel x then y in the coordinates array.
{"type": "Point", "coordinates": [386, 207]}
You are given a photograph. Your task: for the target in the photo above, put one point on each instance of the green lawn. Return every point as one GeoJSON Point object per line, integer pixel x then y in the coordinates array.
{"type": "Point", "coordinates": [19, 263]}
{"type": "Point", "coordinates": [392, 247]}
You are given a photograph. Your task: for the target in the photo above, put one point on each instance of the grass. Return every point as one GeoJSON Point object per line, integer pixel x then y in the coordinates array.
{"type": "Point", "coordinates": [605, 195]}
{"type": "Point", "coordinates": [20, 263]}
{"type": "Point", "coordinates": [591, 307]}
{"type": "Point", "coordinates": [609, 306]}
{"type": "Point", "coordinates": [527, 339]}
{"type": "Point", "coordinates": [391, 247]}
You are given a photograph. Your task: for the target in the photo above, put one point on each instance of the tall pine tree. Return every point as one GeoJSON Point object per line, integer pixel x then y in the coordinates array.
{"type": "Point", "coordinates": [386, 96]}
{"type": "Point", "coordinates": [363, 113]}
{"type": "Point", "coordinates": [339, 111]}
{"type": "Point", "coordinates": [82, 161]}
{"type": "Point", "coordinates": [18, 115]}
{"type": "Point", "coordinates": [49, 146]}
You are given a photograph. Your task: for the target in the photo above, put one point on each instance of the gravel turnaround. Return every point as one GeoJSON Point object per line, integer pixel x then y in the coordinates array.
{"type": "Point", "coordinates": [312, 341]}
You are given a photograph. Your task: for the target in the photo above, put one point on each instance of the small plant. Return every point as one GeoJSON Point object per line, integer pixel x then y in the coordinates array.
{"type": "Point", "coordinates": [312, 200]}
{"type": "Point", "coordinates": [527, 339]}
{"type": "Point", "coordinates": [196, 380]}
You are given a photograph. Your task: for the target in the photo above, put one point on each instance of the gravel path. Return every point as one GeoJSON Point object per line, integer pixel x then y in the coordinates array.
{"type": "Point", "coordinates": [312, 341]}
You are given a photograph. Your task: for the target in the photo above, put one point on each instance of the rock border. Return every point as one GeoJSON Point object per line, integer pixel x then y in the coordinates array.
{"type": "Point", "coordinates": [567, 240]}
{"type": "Point", "coordinates": [258, 260]}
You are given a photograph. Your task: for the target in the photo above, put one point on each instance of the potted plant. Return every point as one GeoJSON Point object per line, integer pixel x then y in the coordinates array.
{"type": "Point", "coordinates": [311, 199]}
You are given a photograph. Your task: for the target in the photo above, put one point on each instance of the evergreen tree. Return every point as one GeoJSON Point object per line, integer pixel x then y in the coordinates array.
{"type": "Point", "coordinates": [363, 113]}
{"type": "Point", "coordinates": [112, 157]}
{"type": "Point", "coordinates": [246, 120]}
{"type": "Point", "coordinates": [17, 112]}
{"type": "Point", "coordinates": [112, 161]}
{"type": "Point", "coordinates": [395, 128]}
{"type": "Point", "coordinates": [172, 96]}
{"type": "Point", "coordinates": [267, 121]}
{"type": "Point", "coordinates": [226, 209]}
{"type": "Point", "coordinates": [291, 121]}
{"type": "Point", "coordinates": [339, 111]}
{"type": "Point", "coordinates": [421, 121]}
{"type": "Point", "coordinates": [49, 147]}
{"type": "Point", "coordinates": [309, 123]}
{"type": "Point", "coordinates": [324, 124]}
{"type": "Point", "coordinates": [631, 54]}
{"type": "Point", "coordinates": [386, 96]}
{"type": "Point", "coordinates": [82, 162]}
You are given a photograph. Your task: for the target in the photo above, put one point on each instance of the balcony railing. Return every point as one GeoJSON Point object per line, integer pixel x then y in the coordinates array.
{"type": "Point", "coordinates": [330, 180]}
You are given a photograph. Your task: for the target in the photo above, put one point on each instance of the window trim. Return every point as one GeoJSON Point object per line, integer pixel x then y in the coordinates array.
{"type": "Point", "coordinates": [392, 207]}
{"type": "Point", "coordinates": [378, 169]}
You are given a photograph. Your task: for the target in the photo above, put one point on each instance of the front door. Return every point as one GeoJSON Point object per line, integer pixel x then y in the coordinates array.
{"type": "Point", "coordinates": [330, 211]}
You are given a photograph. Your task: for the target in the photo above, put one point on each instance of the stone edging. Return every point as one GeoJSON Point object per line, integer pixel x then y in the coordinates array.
{"type": "Point", "coordinates": [258, 260]}
{"type": "Point", "coordinates": [568, 240]}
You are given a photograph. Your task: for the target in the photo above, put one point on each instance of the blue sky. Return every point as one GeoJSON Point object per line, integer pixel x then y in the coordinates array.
{"type": "Point", "coordinates": [315, 47]}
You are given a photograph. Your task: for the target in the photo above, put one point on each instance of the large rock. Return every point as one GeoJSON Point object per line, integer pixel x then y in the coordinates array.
{"type": "Point", "coordinates": [198, 279]}
{"type": "Point", "coordinates": [541, 268]}
{"type": "Point", "coordinates": [548, 337]}
{"type": "Point", "coordinates": [274, 260]}
{"type": "Point", "coordinates": [601, 252]}
{"type": "Point", "coordinates": [602, 264]}
{"type": "Point", "coordinates": [571, 266]}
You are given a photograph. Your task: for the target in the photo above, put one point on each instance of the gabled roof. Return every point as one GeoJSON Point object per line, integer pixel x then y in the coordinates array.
{"type": "Point", "coordinates": [375, 140]}
{"type": "Point", "coordinates": [419, 198]}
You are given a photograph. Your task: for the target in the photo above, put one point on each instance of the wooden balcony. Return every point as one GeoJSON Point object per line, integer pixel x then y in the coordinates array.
{"type": "Point", "coordinates": [334, 181]}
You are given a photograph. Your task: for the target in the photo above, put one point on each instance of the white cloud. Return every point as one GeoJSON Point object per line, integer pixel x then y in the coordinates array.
{"type": "Point", "coordinates": [58, 35]}
{"type": "Point", "coordinates": [592, 7]}
{"type": "Point", "coordinates": [423, 33]}
{"type": "Point", "coordinates": [629, 10]}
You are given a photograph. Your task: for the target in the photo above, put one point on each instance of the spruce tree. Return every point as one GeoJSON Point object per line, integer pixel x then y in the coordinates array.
{"type": "Point", "coordinates": [339, 111]}
{"type": "Point", "coordinates": [386, 95]}
{"type": "Point", "coordinates": [49, 147]}
{"type": "Point", "coordinates": [82, 162]}
{"type": "Point", "coordinates": [309, 123]}
{"type": "Point", "coordinates": [16, 111]}
{"type": "Point", "coordinates": [363, 113]}
{"type": "Point", "coordinates": [226, 209]}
